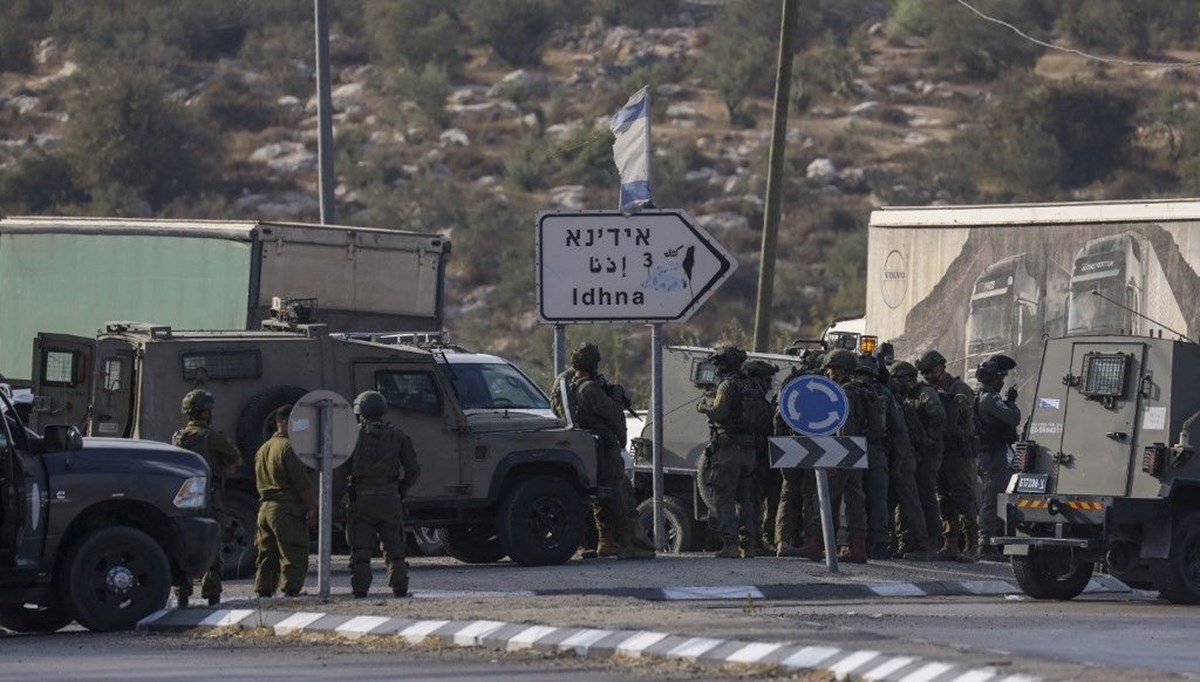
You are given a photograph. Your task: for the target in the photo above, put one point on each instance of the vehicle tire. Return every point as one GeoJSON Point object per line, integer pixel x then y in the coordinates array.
{"type": "Point", "coordinates": [681, 530]}
{"type": "Point", "coordinates": [471, 544]}
{"type": "Point", "coordinates": [1177, 578]}
{"type": "Point", "coordinates": [114, 577]}
{"type": "Point", "coordinates": [237, 543]}
{"type": "Point", "coordinates": [1048, 574]}
{"type": "Point", "coordinates": [426, 542]}
{"type": "Point", "coordinates": [254, 425]}
{"type": "Point", "coordinates": [705, 491]}
{"type": "Point", "coordinates": [540, 521]}
{"type": "Point", "coordinates": [25, 619]}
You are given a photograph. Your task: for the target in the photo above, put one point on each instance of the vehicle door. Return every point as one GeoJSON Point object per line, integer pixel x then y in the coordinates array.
{"type": "Point", "coordinates": [420, 404]}
{"type": "Point", "coordinates": [1101, 406]}
{"type": "Point", "coordinates": [24, 500]}
{"type": "Point", "coordinates": [113, 400]}
{"type": "Point", "coordinates": [62, 380]}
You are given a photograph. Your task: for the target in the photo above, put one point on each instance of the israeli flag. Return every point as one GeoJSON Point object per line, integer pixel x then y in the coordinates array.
{"type": "Point", "coordinates": [631, 150]}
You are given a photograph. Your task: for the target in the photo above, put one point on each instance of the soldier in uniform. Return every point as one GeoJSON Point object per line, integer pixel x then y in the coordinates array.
{"type": "Point", "coordinates": [997, 419]}
{"type": "Point", "coordinates": [223, 457]}
{"type": "Point", "coordinates": [731, 468]}
{"type": "Point", "coordinates": [285, 495]}
{"type": "Point", "coordinates": [926, 419]}
{"type": "Point", "coordinates": [839, 365]}
{"type": "Point", "coordinates": [957, 479]}
{"type": "Point", "coordinates": [598, 412]}
{"type": "Point", "coordinates": [875, 479]}
{"type": "Point", "coordinates": [767, 481]}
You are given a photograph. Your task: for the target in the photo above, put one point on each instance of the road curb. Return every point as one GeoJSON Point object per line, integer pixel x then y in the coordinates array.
{"type": "Point", "coordinates": [588, 642]}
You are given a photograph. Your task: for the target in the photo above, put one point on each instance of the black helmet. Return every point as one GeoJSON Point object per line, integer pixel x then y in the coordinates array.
{"type": "Point", "coordinates": [759, 368]}
{"type": "Point", "coordinates": [840, 359]}
{"type": "Point", "coordinates": [867, 365]}
{"type": "Point", "coordinates": [198, 400]}
{"type": "Point", "coordinates": [995, 367]}
{"type": "Point", "coordinates": [903, 369]}
{"type": "Point", "coordinates": [728, 358]}
{"type": "Point", "coordinates": [370, 404]}
{"type": "Point", "coordinates": [930, 359]}
{"type": "Point", "coordinates": [586, 356]}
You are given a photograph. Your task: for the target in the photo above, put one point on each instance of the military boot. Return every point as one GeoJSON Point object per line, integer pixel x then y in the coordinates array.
{"type": "Point", "coordinates": [607, 545]}
{"type": "Point", "coordinates": [632, 551]}
{"type": "Point", "coordinates": [856, 552]}
{"type": "Point", "coordinates": [970, 553]}
{"type": "Point", "coordinates": [919, 554]}
{"type": "Point", "coordinates": [880, 552]}
{"type": "Point", "coordinates": [748, 549]}
{"type": "Point", "coordinates": [729, 550]}
{"type": "Point", "coordinates": [814, 547]}
{"type": "Point", "coordinates": [786, 549]}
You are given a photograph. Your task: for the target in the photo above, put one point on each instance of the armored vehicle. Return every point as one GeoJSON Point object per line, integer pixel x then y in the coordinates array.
{"type": "Point", "coordinates": [1105, 473]}
{"type": "Point", "coordinates": [500, 475]}
{"type": "Point", "coordinates": [95, 529]}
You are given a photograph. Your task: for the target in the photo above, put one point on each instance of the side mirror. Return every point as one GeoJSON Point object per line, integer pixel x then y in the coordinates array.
{"type": "Point", "coordinates": [62, 438]}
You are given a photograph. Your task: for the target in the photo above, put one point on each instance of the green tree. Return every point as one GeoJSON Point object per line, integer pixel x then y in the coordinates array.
{"type": "Point", "coordinates": [634, 13]}
{"type": "Point", "coordinates": [740, 56]}
{"type": "Point", "coordinates": [38, 183]}
{"type": "Point", "coordinates": [414, 32]}
{"type": "Point", "coordinates": [979, 49]}
{"type": "Point", "coordinates": [516, 30]}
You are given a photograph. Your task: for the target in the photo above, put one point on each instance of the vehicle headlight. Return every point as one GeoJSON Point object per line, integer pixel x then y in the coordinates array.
{"type": "Point", "coordinates": [193, 494]}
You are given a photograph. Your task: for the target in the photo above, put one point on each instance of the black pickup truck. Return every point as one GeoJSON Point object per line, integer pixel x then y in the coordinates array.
{"type": "Point", "coordinates": [95, 530]}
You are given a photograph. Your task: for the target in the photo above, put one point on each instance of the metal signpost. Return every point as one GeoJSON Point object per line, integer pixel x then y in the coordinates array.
{"type": "Point", "coordinates": [323, 431]}
{"type": "Point", "coordinates": [651, 267]}
{"type": "Point", "coordinates": [817, 407]}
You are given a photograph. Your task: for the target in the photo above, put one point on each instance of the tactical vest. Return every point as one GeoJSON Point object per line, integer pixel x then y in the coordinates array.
{"type": "Point", "coordinates": [376, 460]}
{"type": "Point", "coordinates": [873, 407]}
{"type": "Point", "coordinates": [197, 442]}
{"type": "Point", "coordinates": [993, 432]}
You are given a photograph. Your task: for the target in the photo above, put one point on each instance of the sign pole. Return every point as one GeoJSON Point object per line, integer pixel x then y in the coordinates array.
{"type": "Point", "coordinates": [560, 349]}
{"type": "Point", "coordinates": [325, 533]}
{"type": "Point", "coordinates": [656, 431]}
{"type": "Point", "coordinates": [831, 561]}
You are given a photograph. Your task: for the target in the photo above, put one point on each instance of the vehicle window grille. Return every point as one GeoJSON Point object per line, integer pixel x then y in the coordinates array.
{"type": "Point", "coordinates": [235, 364]}
{"type": "Point", "coordinates": [58, 368]}
{"type": "Point", "coordinates": [1104, 375]}
{"type": "Point", "coordinates": [415, 391]}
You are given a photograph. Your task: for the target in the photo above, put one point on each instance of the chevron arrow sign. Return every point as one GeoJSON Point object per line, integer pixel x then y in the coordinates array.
{"type": "Point", "coordinates": [818, 452]}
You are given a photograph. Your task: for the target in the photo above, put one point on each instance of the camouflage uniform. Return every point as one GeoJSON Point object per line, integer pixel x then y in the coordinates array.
{"type": "Point", "coordinates": [282, 534]}
{"type": "Point", "coordinates": [734, 459]}
{"type": "Point", "coordinates": [902, 481]}
{"type": "Point", "coordinates": [598, 413]}
{"type": "Point", "coordinates": [221, 454]}
{"type": "Point", "coordinates": [958, 479]}
{"type": "Point", "coordinates": [383, 467]}
{"type": "Point", "coordinates": [875, 478]}
{"type": "Point", "coordinates": [767, 481]}
{"type": "Point", "coordinates": [926, 420]}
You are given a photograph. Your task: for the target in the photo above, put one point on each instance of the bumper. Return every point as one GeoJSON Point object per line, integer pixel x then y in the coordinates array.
{"type": "Point", "coordinates": [1073, 510]}
{"type": "Point", "coordinates": [199, 540]}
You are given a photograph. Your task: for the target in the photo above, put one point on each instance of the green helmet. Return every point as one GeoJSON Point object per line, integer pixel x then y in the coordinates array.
{"type": "Point", "coordinates": [931, 358]}
{"type": "Point", "coordinates": [759, 368]}
{"type": "Point", "coordinates": [729, 358]}
{"type": "Point", "coordinates": [903, 369]}
{"type": "Point", "coordinates": [586, 356]}
{"type": "Point", "coordinates": [198, 400]}
{"type": "Point", "coordinates": [370, 404]}
{"type": "Point", "coordinates": [840, 359]}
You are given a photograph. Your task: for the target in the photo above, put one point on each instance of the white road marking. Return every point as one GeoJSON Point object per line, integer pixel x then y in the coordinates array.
{"type": "Point", "coordinates": [715, 592]}
{"type": "Point", "coordinates": [810, 656]}
{"type": "Point", "coordinates": [527, 637]}
{"type": "Point", "coordinates": [896, 590]}
{"type": "Point", "coordinates": [224, 618]}
{"type": "Point", "coordinates": [980, 675]}
{"type": "Point", "coordinates": [926, 672]}
{"type": "Point", "coordinates": [852, 663]}
{"type": "Point", "coordinates": [583, 640]}
{"type": "Point", "coordinates": [753, 652]}
{"type": "Point", "coordinates": [635, 645]}
{"type": "Point", "coordinates": [417, 632]}
{"type": "Point", "coordinates": [695, 648]}
{"type": "Point", "coordinates": [296, 621]}
{"type": "Point", "coordinates": [887, 668]}
{"type": "Point", "coordinates": [473, 633]}
{"type": "Point", "coordinates": [360, 625]}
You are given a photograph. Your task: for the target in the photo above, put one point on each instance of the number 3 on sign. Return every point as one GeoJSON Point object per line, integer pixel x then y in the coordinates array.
{"type": "Point", "coordinates": [647, 259]}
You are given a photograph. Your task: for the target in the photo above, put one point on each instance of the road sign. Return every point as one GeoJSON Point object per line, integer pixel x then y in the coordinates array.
{"type": "Point", "coordinates": [606, 266]}
{"type": "Point", "coordinates": [818, 452]}
{"type": "Point", "coordinates": [304, 428]}
{"type": "Point", "coordinates": [813, 405]}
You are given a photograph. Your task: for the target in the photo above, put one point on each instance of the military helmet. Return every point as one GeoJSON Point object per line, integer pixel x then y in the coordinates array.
{"type": "Point", "coordinates": [759, 368]}
{"type": "Point", "coordinates": [198, 400]}
{"type": "Point", "coordinates": [370, 404]}
{"type": "Point", "coordinates": [903, 369]}
{"type": "Point", "coordinates": [840, 359]}
{"type": "Point", "coordinates": [728, 357]}
{"type": "Point", "coordinates": [867, 365]}
{"type": "Point", "coordinates": [586, 356]}
{"type": "Point", "coordinates": [930, 359]}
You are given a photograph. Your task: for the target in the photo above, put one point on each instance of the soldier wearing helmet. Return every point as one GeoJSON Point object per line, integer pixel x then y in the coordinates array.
{"type": "Point", "coordinates": [957, 480]}
{"type": "Point", "coordinates": [926, 420]}
{"type": "Point", "coordinates": [223, 457]}
{"type": "Point", "coordinates": [768, 482]}
{"type": "Point", "coordinates": [382, 468]}
{"type": "Point", "coordinates": [997, 418]}
{"type": "Point", "coordinates": [735, 426]}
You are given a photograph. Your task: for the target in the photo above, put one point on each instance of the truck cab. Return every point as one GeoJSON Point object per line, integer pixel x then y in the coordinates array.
{"type": "Point", "coordinates": [1105, 472]}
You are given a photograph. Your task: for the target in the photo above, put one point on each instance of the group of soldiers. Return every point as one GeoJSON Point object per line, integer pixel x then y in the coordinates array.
{"type": "Point", "coordinates": [937, 456]}
{"type": "Point", "coordinates": [380, 471]}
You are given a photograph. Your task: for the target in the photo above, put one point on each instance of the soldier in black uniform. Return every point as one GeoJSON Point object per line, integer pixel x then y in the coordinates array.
{"type": "Point", "coordinates": [996, 419]}
{"type": "Point", "coordinates": [382, 469]}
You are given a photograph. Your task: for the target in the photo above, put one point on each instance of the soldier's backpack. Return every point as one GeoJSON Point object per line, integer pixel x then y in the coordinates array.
{"type": "Point", "coordinates": [756, 413]}
{"type": "Point", "coordinates": [197, 442]}
{"type": "Point", "coordinates": [874, 406]}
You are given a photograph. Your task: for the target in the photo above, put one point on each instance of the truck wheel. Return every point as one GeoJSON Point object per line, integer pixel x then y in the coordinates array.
{"type": "Point", "coordinates": [115, 577]}
{"type": "Point", "coordinates": [471, 544]}
{"type": "Point", "coordinates": [23, 618]}
{"type": "Point", "coordinates": [254, 425]}
{"type": "Point", "coordinates": [540, 521]}
{"type": "Point", "coordinates": [681, 530]}
{"type": "Point", "coordinates": [237, 544]}
{"type": "Point", "coordinates": [705, 490]}
{"type": "Point", "coordinates": [425, 541]}
{"type": "Point", "coordinates": [1177, 578]}
{"type": "Point", "coordinates": [1049, 574]}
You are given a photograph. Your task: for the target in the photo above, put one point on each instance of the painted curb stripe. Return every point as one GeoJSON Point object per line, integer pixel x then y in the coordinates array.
{"type": "Point", "coordinates": [897, 590]}
{"type": "Point", "coordinates": [852, 662]}
{"type": "Point", "coordinates": [529, 636]}
{"type": "Point", "coordinates": [925, 673]}
{"type": "Point", "coordinates": [981, 675]}
{"type": "Point", "coordinates": [473, 633]}
{"type": "Point", "coordinates": [716, 592]}
{"type": "Point", "coordinates": [695, 648]}
{"type": "Point", "coordinates": [418, 631]}
{"type": "Point", "coordinates": [893, 665]}
{"type": "Point", "coordinates": [145, 622]}
{"type": "Point", "coordinates": [583, 640]}
{"type": "Point", "coordinates": [810, 657]}
{"type": "Point", "coordinates": [224, 618]}
{"type": "Point", "coordinates": [360, 625]}
{"type": "Point", "coordinates": [635, 645]}
{"type": "Point", "coordinates": [753, 652]}
{"type": "Point", "coordinates": [296, 621]}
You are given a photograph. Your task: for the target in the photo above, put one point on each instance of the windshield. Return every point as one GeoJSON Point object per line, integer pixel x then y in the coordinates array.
{"type": "Point", "coordinates": [496, 386]}
{"type": "Point", "coordinates": [1089, 313]}
{"type": "Point", "coordinates": [991, 323]}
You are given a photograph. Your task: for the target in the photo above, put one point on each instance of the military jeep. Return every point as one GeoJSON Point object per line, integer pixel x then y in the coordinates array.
{"type": "Point", "coordinates": [1105, 472]}
{"type": "Point", "coordinates": [501, 476]}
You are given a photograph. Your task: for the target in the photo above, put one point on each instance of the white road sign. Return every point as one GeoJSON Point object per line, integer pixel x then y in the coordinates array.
{"type": "Point", "coordinates": [606, 266]}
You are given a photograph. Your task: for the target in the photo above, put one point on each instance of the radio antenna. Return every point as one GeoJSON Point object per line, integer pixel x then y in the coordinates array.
{"type": "Point", "coordinates": [1096, 292]}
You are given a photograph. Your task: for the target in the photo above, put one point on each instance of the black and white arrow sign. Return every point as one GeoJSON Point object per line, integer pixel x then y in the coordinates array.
{"type": "Point", "coordinates": [818, 452]}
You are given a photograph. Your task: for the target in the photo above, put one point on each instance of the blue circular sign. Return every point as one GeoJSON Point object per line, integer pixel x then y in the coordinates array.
{"type": "Point", "coordinates": [813, 405]}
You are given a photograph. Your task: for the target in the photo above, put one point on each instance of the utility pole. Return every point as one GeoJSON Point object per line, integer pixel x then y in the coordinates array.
{"type": "Point", "coordinates": [783, 93]}
{"type": "Point", "coordinates": [324, 115]}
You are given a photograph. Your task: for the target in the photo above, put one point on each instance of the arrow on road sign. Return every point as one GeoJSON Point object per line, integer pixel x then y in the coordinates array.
{"type": "Point", "coordinates": [606, 266]}
{"type": "Point", "coordinates": [818, 452]}
{"type": "Point", "coordinates": [813, 405]}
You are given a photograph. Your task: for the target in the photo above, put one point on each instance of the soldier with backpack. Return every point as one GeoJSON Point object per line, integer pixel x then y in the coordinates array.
{"type": "Point", "coordinates": [767, 481]}
{"type": "Point", "coordinates": [738, 414]}
{"type": "Point", "coordinates": [996, 420]}
{"type": "Point", "coordinates": [222, 456]}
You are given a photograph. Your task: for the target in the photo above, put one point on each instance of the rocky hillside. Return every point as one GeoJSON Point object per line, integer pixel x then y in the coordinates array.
{"type": "Point", "coordinates": [882, 113]}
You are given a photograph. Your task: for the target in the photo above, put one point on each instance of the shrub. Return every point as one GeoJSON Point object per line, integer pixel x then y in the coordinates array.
{"type": "Point", "coordinates": [38, 183]}
{"type": "Point", "coordinates": [516, 30]}
{"type": "Point", "coordinates": [428, 88]}
{"type": "Point", "coordinates": [528, 166]}
{"type": "Point", "coordinates": [586, 157]}
{"type": "Point", "coordinates": [634, 13]}
{"type": "Point", "coordinates": [414, 32]}
{"type": "Point", "coordinates": [740, 56]}
{"type": "Point", "coordinates": [979, 49]}
{"type": "Point", "coordinates": [232, 104]}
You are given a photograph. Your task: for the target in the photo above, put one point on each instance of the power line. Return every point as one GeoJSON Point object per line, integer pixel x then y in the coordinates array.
{"type": "Point", "coordinates": [1071, 50]}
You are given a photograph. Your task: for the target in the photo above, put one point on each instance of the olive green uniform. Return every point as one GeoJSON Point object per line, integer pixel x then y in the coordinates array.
{"type": "Point", "coordinates": [382, 469]}
{"type": "Point", "coordinates": [597, 412]}
{"type": "Point", "coordinates": [844, 484]}
{"type": "Point", "coordinates": [876, 477]}
{"type": "Point", "coordinates": [282, 534]}
{"type": "Point", "coordinates": [221, 454]}
{"type": "Point", "coordinates": [787, 518]}
{"type": "Point", "coordinates": [926, 420]}
{"type": "Point", "coordinates": [957, 482]}
{"type": "Point", "coordinates": [902, 482]}
{"type": "Point", "coordinates": [734, 459]}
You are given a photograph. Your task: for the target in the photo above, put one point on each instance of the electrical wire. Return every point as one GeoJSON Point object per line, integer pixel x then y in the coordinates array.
{"type": "Point", "coordinates": [1071, 50]}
